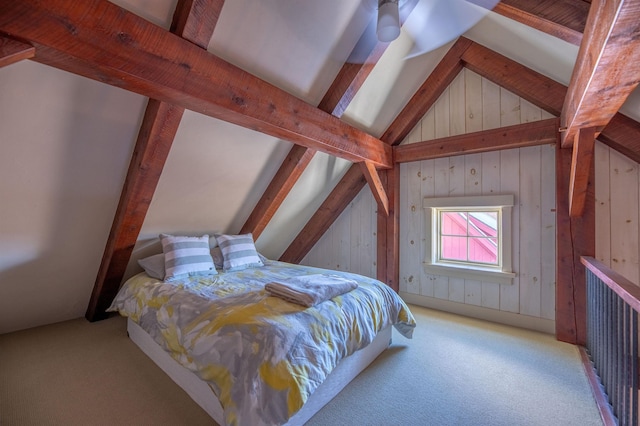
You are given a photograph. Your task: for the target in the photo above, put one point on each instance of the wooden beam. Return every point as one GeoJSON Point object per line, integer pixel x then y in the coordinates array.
{"type": "Point", "coordinates": [564, 19]}
{"type": "Point", "coordinates": [12, 51]}
{"type": "Point", "coordinates": [516, 136]}
{"type": "Point", "coordinates": [152, 148]}
{"type": "Point", "coordinates": [353, 75]}
{"type": "Point", "coordinates": [195, 20]}
{"type": "Point", "coordinates": [388, 232]}
{"type": "Point", "coordinates": [335, 101]}
{"type": "Point", "coordinates": [413, 112]}
{"type": "Point", "coordinates": [285, 178]}
{"type": "Point", "coordinates": [439, 79]}
{"type": "Point", "coordinates": [349, 80]}
{"type": "Point", "coordinates": [581, 161]}
{"type": "Point", "coordinates": [621, 134]}
{"type": "Point", "coordinates": [575, 238]}
{"type": "Point", "coordinates": [351, 183]}
{"type": "Point", "coordinates": [102, 41]}
{"type": "Point", "coordinates": [373, 179]}
{"type": "Point", "coordinates": [542, 91]}
{"type": "Point", "coordinates": [606, 70]}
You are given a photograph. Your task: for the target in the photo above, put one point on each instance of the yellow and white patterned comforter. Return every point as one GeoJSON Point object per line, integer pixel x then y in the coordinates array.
{"type": "Point", "coordinates": [261, 355]}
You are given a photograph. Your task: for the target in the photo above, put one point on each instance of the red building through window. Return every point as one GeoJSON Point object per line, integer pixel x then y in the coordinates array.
{"type": "Point", "coordinates": [469, 237]}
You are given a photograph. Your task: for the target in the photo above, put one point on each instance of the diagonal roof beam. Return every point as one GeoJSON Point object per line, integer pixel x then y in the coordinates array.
{"type": "Point", "coordinates": [349, 80]}
{"type": "Point", "coordinates": [283, 181]}
{"type": "Point", "coordinates": [606, 70]}
{"type": "Point", "coordinates": [102, 41]}
{"type": "Point", "coordinates": [621, 134]}
{"type": "Point", "coordinates": [353, 181]}
{"type": "Point", "coordinates": [194, 20]}
{"type": "Point", "coordinates": [12, 51]}
{"type": "Point", "coordinates": [373, 179]}
{"type": "Point", "coordinates": [564, 19]}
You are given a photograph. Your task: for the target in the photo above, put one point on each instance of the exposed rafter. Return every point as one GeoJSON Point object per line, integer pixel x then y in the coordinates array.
{"type": "Point", "coordinates": [12, 51]}
{"type": "Point", "coordinates": [564, 19]}
{"type": "Point", "coordinates": [102, 41]}
{"type": "Point", "coordinates": [194, 20]}
{"type": "Point", "coordinates": [622, 133]}
{"type": "Point", "coordinates": [349, 80]}
{"type": "Point", "coordinates": [607, 69]}
{"type": "Point", "coordinates": [285, 178]}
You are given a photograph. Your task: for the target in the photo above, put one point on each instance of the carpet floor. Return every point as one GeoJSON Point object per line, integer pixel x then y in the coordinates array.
{"type": "Point", "coordinates": [455, 371]}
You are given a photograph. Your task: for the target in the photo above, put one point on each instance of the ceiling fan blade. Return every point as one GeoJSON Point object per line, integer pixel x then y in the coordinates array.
{"type": "Point", "coordinates": [434, 23]}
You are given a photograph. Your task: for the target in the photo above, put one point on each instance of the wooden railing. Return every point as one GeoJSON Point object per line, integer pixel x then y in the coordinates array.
{"type": "Point", "coordinates": [613, 303]}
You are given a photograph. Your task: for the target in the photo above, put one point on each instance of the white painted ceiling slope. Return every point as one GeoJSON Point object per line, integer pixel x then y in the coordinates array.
{"type": "Point", "coordinates": [67, 141]}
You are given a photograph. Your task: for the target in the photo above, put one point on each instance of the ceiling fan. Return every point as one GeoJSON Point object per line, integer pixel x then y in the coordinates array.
{"type": "Point", "coordinates": [429, 23]}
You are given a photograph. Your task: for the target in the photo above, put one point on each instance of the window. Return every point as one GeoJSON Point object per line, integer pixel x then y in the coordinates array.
{"type": "Point", "coordinates": [470, 237]}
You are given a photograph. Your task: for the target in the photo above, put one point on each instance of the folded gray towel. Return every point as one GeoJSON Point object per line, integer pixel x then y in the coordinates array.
{"type": "Point", "coordinates": [309, 290]}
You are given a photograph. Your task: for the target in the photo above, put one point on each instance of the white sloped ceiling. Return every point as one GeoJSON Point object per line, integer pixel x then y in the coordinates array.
{"type": "Point", "coordinates": [67, 141]}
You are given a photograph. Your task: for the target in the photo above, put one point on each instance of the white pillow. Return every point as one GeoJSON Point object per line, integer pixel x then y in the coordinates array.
{"type": "Point", "coordinates": [239, 252]}
{"type": "Point", "coordinates": [186, 256]}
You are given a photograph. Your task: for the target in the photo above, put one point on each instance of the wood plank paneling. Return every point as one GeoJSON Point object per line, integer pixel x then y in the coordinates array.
{"type": "Point", "coordinates": [530, 220]}
{"type": "Point", "coordinates": [351, 183]}
{"type": "Point", "coordinates": [411, 225]}
{"type": "Point", "coordinates": [530, 247]}
{"type": "Point", "coordinates": [468, 101]}
{"type": "Point", "coordinates": [602, 180]}
{"type": "Point", "coordinates": [491, 172]}
{"type": "Point", "coordinates": [624, 177]}
{"type": "Point", "coordinates": [427, 189]}
{"type": "Point", "coordinates": [547, 233]}
{"type": "Point", "coordinates": [510, 184]}
{"type": "Point", "coordinates": [490, 185]}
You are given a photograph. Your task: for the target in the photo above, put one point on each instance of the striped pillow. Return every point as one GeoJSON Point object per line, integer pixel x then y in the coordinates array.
{"type": "Point", "coordinates": [186, 256]}
{"type": "Point", "coordinates": [239, 252]}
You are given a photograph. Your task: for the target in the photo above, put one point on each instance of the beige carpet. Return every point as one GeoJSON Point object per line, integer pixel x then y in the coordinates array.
{"type": "Point", "coordinates": [455, 371]}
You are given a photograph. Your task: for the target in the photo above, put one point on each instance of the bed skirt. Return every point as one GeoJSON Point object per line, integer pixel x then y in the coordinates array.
{"type": "Point", "coordinates": [202, 394]}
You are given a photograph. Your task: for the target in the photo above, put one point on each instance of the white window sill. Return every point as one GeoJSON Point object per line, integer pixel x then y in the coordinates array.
{"type": "Point", "coordinates": [480, 274]}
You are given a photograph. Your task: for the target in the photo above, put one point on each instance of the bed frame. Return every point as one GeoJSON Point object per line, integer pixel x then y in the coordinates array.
{"type": "Point", "coordinates": [203, 395]}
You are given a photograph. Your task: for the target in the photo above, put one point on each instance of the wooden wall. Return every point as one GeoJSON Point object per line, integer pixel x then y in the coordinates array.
{"type": "Point", "coordinates": [617, 212]}
{"type": "Point", "coordinates": [350, 243]}
{"type": "Point", "coordinates": [471, 103]}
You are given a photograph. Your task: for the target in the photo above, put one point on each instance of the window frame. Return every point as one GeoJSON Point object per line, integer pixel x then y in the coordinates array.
{"type": "Point", "coordinates": [501, 273]}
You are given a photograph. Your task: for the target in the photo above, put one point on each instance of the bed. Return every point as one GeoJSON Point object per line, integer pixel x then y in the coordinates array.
{"type": "Point", "coordinates": [249, 358]}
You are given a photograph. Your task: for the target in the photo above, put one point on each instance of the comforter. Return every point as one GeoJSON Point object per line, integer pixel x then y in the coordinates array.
{"type": "Point", "coordinates": [261, 355]}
